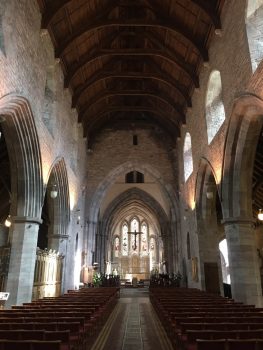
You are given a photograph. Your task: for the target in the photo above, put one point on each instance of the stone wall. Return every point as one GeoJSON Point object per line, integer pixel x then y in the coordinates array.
{"type": "Point", "coordinates": [28, 69]}
{"type": "Point", "coordinates": [229, 54]}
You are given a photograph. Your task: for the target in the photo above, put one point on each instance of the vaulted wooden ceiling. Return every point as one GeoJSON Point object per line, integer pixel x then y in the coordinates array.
{"type": "Point", "coordinates": [131, 62]}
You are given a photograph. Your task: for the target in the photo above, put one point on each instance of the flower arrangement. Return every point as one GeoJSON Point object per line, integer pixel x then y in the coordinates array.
{"type": "Point", "coordinates": [97, 279]}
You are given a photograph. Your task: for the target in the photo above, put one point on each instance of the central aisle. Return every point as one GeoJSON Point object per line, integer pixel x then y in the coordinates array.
{"type": "Point", "coordinates": [133, 325]}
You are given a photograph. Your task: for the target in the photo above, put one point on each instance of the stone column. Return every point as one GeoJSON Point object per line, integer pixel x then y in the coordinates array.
{"type": "Point", "coordinates": [243, 261]}
{"type": "Point", "coordinates": [91, 234]}
{"type": "Point", "coordinates": [20, 279]}
{"type": "Point", "coordinates": [102, 253]}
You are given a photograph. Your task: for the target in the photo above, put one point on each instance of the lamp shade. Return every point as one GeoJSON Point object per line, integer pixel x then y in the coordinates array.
{"type": "Point", "coordinates": [54, 192]}
{"type": "Point", "coordinates": [209, 195]}
{"type": "Point", "coordinates": [260, 215]}
{"type": "Point", "coordinates": [8, 222]}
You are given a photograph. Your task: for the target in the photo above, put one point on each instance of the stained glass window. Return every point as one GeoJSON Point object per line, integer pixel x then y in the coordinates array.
{"type": "Point", "coordinates": [134, 238]}
{"type": "Point", "coordinates": [144, 238]}
{"type": "Point", "coordinates": [116, 247]}
{"type": "Point", "coordinates": [125, 243]}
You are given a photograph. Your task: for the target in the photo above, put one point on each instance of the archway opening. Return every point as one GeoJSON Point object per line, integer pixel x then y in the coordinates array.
{"type": "Point", "coordinates": [211, 230]}
{"type": "Point", "coordinates": [5, 201]}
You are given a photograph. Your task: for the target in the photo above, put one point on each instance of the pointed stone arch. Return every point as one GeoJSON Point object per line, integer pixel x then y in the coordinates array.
{"type": "Point", "coordinates": [25, 158]}
{"type": "Point", "coordinates": [22, 142]}
{"type": "Point", "coordinates": [135, 194]}
{"type": "Point", "coordinates": [243, 133]}
{"type": "Point", "coordinates": [209, 227]}
{"type": "Point", "coordinates": [167, 189]}
{"type": "Point", "coordinates": [206, 182]}
{"type": "Point", "coordinates": [59, 207]}
{"type": "Point", "coordinates": [123, 169]}
{"type": "Point", "coordinates": [138, 204]}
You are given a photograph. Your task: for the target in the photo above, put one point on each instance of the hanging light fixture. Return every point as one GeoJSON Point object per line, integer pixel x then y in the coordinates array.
{"type": "Point", "coordinates": [260, 215]}
{"type": "Point", "coordinates": [8, 221]}
{"type": "Point", "coordinates": [53, 191]}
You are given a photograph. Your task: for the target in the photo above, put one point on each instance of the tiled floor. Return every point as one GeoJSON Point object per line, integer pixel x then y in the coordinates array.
{"type": "Point", "coordinates": [133, 325]}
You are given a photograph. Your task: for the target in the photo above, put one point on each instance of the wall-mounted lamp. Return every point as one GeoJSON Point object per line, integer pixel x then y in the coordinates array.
{"type": "Point", "coordinates": [8, 221]}
{"type": "Point", "coordinates": [53, 191]}
{"type": "Point", "coordinates": [209, 195]}
{"type": "Point", "coordinates": [260, 215]}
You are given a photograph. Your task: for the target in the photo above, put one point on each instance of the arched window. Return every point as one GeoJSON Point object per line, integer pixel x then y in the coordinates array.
{"type": "Point", "coordinates": [134, 238]}
{"type": "Point", "coordinates": [215, 111]}
{"type": "Point", "coordinates": [188, 158]}
{"type": "Point", "coordinates": [116, 246]}
{"type": "Point", "coordinates": [152, 251]}
{"type": "Point", "coordinates": [134, 177]}
{"type": "Point", "coordinates": [144, 238]}
{"type": "Point", "coordinates": [125, 243]}
{"type": "Point", "coordinates": [224, 261]}
{"type": "Point", "coordinates": [152, 244]}
{"type": "Point", "coordinates": [254, 25]}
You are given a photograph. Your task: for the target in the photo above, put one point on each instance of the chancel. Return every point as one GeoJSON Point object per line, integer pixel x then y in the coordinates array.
{"type": "Point", "coordinates": [131, 173]}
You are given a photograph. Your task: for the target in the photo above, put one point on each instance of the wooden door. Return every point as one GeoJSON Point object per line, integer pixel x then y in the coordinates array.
{"type": "Point", "coordinates": [212, 277]}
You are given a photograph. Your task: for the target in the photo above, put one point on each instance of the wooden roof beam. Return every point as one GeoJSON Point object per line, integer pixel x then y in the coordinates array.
{"type": "Point", "coordinates": [167, 24]}
{"type": "Point", "coordinates": [92, 56]}
{"type": "Point", "coordinates": [153, 94]}
{"type": "Point", "coordinates": [178, 60]}
{"type": "Point", "coordinates": [53, 8]}
{"type": "Point", "coordinates": [91, 117]}
{"type": "Point", "coordinates": [102, 75]}
{"type": "Point", "coordinates": [98, 118]}
{"type": "Point", "coordinates": [206, 7]}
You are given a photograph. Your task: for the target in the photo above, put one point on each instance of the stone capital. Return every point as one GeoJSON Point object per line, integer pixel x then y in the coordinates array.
{"type": "Point", "coordinates": [26, 220]}
{"type": "Point", "coordinates": [239, 221]}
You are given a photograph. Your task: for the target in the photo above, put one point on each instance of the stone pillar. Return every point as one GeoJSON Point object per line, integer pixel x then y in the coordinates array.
{"type": "Point", "coordinates": [102, 253]}
{"type": "Point", "coordinates": [20, 279]}
{"type": "Point", "coordinates": [98, 249]}
{"type": "Point", "coordinates": [243, 261]}
{"type": "Point", "coordinates": [91, 241]}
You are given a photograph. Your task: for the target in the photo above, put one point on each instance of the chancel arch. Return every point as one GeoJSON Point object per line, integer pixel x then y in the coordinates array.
{"type": "Point", "coordinates": [166, 194]}
{"type": "Point", "coordinates": [137, 220]}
